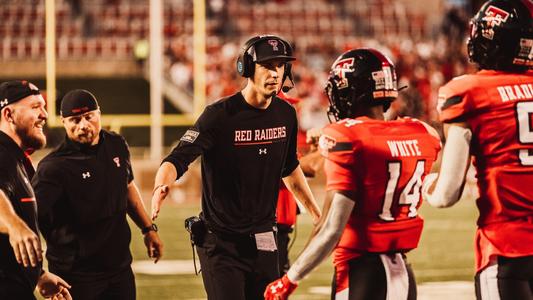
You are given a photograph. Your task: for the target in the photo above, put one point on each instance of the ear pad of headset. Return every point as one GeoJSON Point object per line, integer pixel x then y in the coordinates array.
{"type": "Point", "coordinates": [248, 65]}
{"type": "Point", "coordinates": [240, 65]}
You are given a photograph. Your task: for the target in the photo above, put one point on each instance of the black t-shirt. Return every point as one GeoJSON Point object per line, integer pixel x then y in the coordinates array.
{"type": "Point", "coordinates": [15, 174]}
{"type": "Point", "coordinates": [82, 197]}
{"type": "Point", "coordinates": [245, 151]}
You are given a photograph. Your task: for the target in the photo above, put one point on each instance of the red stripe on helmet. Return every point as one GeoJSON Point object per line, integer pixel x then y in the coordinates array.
{"type": "Point", "coordinates": [529, 5]}
{"type": "Point", "coordinates": [385, 61]}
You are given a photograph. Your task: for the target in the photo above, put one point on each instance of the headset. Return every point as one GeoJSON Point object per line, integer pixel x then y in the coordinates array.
{"type": "Point", "coordinates": [246, 64]}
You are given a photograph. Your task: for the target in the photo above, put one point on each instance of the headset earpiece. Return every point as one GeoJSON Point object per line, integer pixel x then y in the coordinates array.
{"type": "Point", "coordinates": [248, 65]}
{"type": "Point", "coordinates": [245, 61]}
{"type": "Point", "coordinates": [245, 64]}
{"type": "Point", "coordinates": [240, 65]}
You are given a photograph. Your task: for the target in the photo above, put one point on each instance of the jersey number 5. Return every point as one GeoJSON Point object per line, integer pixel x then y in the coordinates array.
{"type": "Point", "coordinates": [410, 195]}
{"type": "Point", "coordinates": [524, 110]}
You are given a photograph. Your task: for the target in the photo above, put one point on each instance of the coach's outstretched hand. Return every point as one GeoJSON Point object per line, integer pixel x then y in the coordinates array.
{"type": "Point", "coordinates": [159, 194]}
{"type": "Point", "coordinates": [279, 289]}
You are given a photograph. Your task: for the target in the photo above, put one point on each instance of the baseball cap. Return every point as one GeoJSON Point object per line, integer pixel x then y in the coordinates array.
{"type": "Point", "coordinates": [16, 90]}
{"type": "Point", "coordinates": [77, 102]}
{"type": "Point", "coordinates": [271, 48]}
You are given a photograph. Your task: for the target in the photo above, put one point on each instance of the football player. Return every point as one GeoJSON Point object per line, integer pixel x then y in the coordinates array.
{"type": "Point", "coordinates": [374, 171]}
{"type": "Point", "coordinates": [489, 115]}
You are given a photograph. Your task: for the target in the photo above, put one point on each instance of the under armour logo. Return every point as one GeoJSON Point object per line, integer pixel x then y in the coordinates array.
{"type": "Point", "coordinates": [263, 151]}
{"type": "Point", "coordinates": [274, 44]}
{"type": "Point", "coordinates": [4, 103]}
{"type": "Point", "coordinates": [86, 175]}
{"type": "Point", "coordinates": [117, 161]}
{"type": "Point", "coordinates": [274, 288]}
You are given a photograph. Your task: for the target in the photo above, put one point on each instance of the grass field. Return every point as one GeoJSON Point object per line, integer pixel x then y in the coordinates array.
{"type": "Point", "coordinates": [445, 253]}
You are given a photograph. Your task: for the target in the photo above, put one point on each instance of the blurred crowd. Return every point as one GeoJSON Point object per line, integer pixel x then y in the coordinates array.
{"type": "Point", "coordinates": [423, 65]}
{"type": "Point", "coordinates": [427, 48]}
{"type": "Point", "coordinates": [422, 68]}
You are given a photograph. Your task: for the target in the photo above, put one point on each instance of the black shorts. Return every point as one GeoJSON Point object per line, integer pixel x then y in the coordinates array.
{"type": "Point", "coordinates": [284, 240]}
{"type": "Point", "coordinates": [365, 277]}
{"type": "Point", "coordinates": [115, 286]}
{"type": "Point", "coordinates": [11, 288]}
{"type": "Point", "coordinates": [506, 279]}
{"type": "Point", "coordinates": [233, 268]}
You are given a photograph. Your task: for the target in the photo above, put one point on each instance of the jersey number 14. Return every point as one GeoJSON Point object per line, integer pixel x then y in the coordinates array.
{"type": "Point", "coordinates": [410, 194]}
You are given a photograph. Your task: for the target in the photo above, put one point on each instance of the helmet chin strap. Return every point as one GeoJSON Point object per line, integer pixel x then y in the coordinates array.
{"type": "Point", "coordinates": [332, 109]}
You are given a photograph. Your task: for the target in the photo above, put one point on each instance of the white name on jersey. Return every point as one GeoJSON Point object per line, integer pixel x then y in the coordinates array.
{"type": "Point", "coordinates": [515, 92]}
{"type": "Point", "coordinates": [404, 148]}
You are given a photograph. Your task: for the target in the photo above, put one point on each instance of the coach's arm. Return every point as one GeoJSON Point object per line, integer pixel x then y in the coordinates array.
{"type": "Point", "coordinates": [298, 186]}
{"type": "Point", "coordinates": [138, 214]}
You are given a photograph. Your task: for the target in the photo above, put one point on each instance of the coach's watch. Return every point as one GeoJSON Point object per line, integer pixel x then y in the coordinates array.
{"type": "Point", "coordinates": [149, 228]}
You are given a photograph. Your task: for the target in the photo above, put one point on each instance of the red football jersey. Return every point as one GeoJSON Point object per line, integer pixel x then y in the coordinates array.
{"type": "Point", "coordinates": [287, 209]}
{"type": "Point", "coordinates": [383, 164]}
{"type": "Point", "coordinates": [498, 107]}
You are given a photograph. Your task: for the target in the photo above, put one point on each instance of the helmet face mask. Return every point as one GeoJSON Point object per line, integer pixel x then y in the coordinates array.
{"type": "Point", "coordinates": [359, 79]}
{"type": "Point", "coordinates": [501, 36]}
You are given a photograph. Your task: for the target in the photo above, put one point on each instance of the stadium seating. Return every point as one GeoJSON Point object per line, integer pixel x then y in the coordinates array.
{"type": "Point", "coordinates": [319, 29]}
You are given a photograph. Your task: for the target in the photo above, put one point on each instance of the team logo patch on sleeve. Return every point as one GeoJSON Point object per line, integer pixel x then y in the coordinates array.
{"type": "Point", "coordinates": [190, 136]}
{"type": "Point", "coordinates": [326, 143]}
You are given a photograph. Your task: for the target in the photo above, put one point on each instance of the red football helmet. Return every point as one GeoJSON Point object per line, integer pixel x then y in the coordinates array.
{"type": "Point", "coordinates": [360, 77]}
{"type": "Point", "coordinates": [501, 36]}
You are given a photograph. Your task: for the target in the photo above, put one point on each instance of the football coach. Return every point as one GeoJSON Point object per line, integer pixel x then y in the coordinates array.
{"type": "Point", "coordinates": [247, 142]}
{"type": "Point", "coordinates": [85, 189]}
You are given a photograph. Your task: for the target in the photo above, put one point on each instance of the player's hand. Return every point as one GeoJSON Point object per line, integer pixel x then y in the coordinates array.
{"type": "Point", "coordinates": [159, 194]}
{"type": "Point", "coordinates": [51, 286]}
{"type": "Point", "coordinates": [154, 246]}
{"type": "Point", "coordinates": [279, 289]}
{"type": "Point", "coordinates": [63, 294]}
{"type": "Point", "coordinates": [25, 243]}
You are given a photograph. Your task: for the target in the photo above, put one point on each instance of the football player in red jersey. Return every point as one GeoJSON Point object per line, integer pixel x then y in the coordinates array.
{"type": "Point", "coordinates": [489, 115]}
{"type": "Point", "coordinates": [286, 209]}
{"type": "Point", "coordinates": [374, 171]}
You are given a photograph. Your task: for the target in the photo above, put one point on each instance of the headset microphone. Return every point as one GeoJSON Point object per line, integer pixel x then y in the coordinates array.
{"type": "Point", "coordinates": [285, 88]}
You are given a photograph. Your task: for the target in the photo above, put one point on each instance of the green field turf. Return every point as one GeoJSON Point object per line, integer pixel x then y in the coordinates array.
{"type": "Point", "coordinates": [445, 252]}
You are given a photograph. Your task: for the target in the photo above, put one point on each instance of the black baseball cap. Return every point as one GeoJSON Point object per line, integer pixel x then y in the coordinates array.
{"type": "Point", "coordinates": [16, 90]}
{"type": "Point", "coordinates": [272, 48]}
{"type": "Point", "coordinates": [77, 102]}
